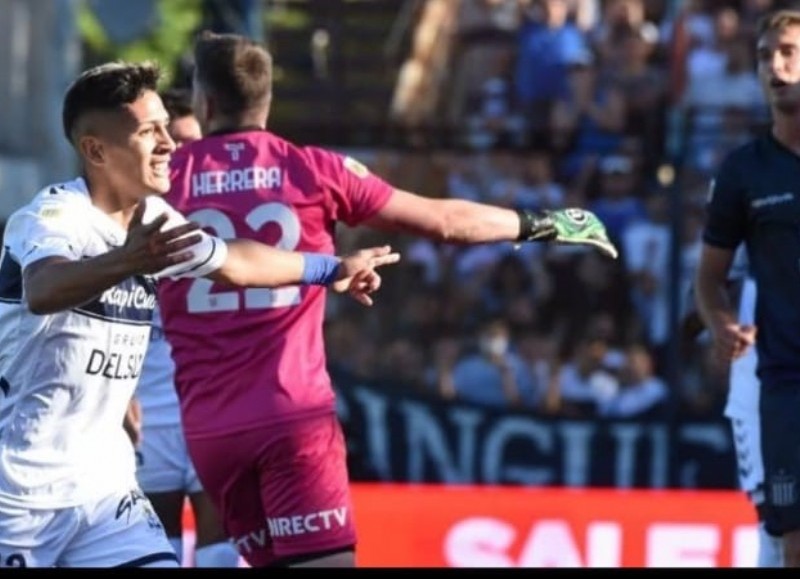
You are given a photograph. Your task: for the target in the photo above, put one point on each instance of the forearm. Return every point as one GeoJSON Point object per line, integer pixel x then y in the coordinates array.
{"type": "Point", "coordinates": [56, 284]}
{"type": "Point", "coordinates": [713, 303]}
{"type": "Point", "coordinates": [254, 264]}
{"type": "Point", "coordinates": [461, 221]}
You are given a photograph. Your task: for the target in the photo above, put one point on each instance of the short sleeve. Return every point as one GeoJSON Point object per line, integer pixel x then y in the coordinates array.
{"type": "Point", "coordinates": [726, 207]}
{"type": "Point", "coordinates": [208, 254]}
{"type": "Point", "coordinates": [48, 229]}
{"type": "Point", "coordinates": [355, 193]}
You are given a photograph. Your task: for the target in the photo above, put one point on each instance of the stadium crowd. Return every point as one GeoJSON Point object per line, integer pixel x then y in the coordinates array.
{"type": "Point", "coordinates": [617, 106]}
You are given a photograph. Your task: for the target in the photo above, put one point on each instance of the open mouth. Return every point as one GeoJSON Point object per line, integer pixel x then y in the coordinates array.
{"type": "Point", "coordinates": [161, 170]}
{"type": "Point", "coordinates": [777, 83]}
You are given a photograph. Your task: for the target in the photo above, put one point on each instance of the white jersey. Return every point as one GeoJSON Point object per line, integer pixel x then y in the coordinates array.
{"type": "Point", "coordinates": [743, 393]}
{"type": "Point", "coordinates": [156, 390]}
{"type": "Point", "coordinates": [67, 377]}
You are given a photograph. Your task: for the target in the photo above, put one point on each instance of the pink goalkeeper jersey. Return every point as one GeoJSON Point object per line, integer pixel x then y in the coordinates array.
{"type": "Point", "coordinates": [255, 356]}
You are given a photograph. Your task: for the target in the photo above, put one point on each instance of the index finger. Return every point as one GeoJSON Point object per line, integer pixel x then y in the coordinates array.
{"type": "Point", "coordinates": [384, 259]}
{"type": "Point", "coordinates": [376, 251]}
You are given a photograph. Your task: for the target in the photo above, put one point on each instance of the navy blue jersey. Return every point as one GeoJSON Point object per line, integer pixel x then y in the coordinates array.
{"type": "Point", "coordinates": [755, 199]}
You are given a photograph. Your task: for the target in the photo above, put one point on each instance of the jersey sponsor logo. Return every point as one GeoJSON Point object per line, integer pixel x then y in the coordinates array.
{"type": "Point", "coordinates": [236, 180]}
{"type": "Point", "coordinates": [124, 298]}
{"type": "Point", "coordinates": [291, 526]}
{"type": "Point", "coordinates": [132, 300]}
{"type": "Point", "coordinates": [771, 200]}
{"type": "Point", "coordinates": [310, 523]}
{"type": "Point", "coordinates": [115, 365]}
{"type": "Point", "coordinates": [355, 167]}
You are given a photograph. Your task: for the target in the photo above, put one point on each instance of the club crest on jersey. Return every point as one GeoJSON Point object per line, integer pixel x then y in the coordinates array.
{"type": "Point", "coordinates": [356, 168]}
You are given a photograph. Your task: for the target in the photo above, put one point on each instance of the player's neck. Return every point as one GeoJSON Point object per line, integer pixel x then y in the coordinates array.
{"type": "Point", "coordinates": [224, 125]}
{"type": "Point", "coordinates": [118, 207]}
{"type": "Point", "coordinates": [786, 131]}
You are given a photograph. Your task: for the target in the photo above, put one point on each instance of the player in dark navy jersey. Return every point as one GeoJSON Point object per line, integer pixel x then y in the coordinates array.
{"type": "Point", "coordinates": [755, 199]}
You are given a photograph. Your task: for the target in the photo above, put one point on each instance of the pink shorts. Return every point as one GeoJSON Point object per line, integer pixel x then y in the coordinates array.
{"type": "Point", "coordinates": [282, 491]}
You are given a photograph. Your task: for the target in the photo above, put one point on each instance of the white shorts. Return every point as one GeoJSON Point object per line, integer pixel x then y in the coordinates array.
{"type": "Point", "coordinates": [119, 530]}
{"type": "Point", "coordinates": [749, 463]}
{"type": "Point", "coordinates": [163, 463]}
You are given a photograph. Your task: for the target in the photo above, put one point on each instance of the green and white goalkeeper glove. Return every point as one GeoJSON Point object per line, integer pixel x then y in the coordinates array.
{"type": "Point", "coordinates": [572, 226]}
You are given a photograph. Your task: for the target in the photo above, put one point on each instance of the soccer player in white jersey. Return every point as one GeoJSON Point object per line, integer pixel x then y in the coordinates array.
{"type": "Point", "coordinates": [79, 266]}
{"type": "Point", "coordinates": [164, 468]}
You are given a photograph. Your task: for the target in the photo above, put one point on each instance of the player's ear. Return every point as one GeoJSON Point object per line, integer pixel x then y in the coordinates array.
{"type": "Point", "coordinates": [91, 149]}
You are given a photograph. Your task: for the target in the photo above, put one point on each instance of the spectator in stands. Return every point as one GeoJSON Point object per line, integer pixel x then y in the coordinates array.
{"type": "Point", "coordinates": [508, 280]}
{"type": "Point", "coordinates": [540, 189]}
{"type": "Point", "coordinates": [646, 256]}
{"type": "Point", "coordinates": [547, 43]}
{"type": "Point", "coordinates": [644, 87]}
{"type": "Point", "coordinates": [537, 349]}
{"type": "Point", "coordinates": [641, 393]}
{"type": "Point", "coordinates": [722, 108]}
{"type": "Point", "coordinates": [584, 381]}
{"type": "Point", "coordinates": [589, 120]}
{"type": "Point", "coordinates": [619, 199]}
{"type": "Point", "coordinates": [402, 362]}
{"type": "Point", "coordinates": [494, 375]}
{"type": "Point", "coordinates": [446, 352]}
{"type": "Point", "coordinates": [618, 18]}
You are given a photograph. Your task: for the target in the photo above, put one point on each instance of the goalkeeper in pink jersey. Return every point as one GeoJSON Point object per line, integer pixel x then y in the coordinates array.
{"type": "Point", "coordinates": [257, 404]}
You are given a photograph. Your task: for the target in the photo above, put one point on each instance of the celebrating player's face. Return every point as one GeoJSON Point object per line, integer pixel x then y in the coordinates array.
{"type": "Point", "coordinates": [139, 150]}
{"type": "Point", "coordinates": [779, 68]}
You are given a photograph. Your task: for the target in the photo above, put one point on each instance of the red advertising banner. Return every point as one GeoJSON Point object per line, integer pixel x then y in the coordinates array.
{"type": "Point", "coordinates": [403, 525]}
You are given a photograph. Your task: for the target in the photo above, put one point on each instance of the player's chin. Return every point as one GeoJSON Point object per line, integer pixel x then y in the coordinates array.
{"type": "Point", "coordinates": [158, 184]}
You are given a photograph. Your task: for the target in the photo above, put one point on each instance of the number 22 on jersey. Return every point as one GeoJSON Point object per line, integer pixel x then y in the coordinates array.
{"type": "Point", "coordinates": [200, 298]}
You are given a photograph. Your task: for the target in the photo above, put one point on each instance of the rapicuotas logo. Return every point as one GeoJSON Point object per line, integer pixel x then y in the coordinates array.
{"type": "Point", "coordinates": [137, 297]}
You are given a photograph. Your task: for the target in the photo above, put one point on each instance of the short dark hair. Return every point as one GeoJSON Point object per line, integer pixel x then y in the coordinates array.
{"type": "Point", "coordinates": [178, 102]}
{"type": "Point", "coordinates": [778, 20]}
{"type": "Point", "coordinates": [235, 70]}
{"type": "Point", "coordinates": [106, 87]}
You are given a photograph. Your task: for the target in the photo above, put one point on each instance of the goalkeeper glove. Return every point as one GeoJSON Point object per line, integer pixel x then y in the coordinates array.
{"type": "Point", "coordinates": [574, 226]}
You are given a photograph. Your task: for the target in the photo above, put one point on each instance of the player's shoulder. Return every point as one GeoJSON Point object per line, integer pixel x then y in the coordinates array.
{"type": "Point", "coordinates": [747, 154]}
{"type": "Point", "coordinates": [57, 198]}
{"type": "Point", "coordinates": [329, 160]}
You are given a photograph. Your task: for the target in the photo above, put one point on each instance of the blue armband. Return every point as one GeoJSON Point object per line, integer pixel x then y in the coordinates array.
{"type": "Point", "coordinates": [319, 269]}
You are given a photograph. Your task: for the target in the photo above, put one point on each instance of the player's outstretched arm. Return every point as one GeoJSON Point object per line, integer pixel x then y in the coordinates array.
{"type": "Point", "coordinates": [253, 264]}
{"type": "Point", "coordinates": [466, 222]}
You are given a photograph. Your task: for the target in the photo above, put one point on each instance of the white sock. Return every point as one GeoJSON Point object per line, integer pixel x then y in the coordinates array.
{"type": "Point", "coordinates": [770, 549]}
{"type": "Point", "coordinates": [222, 554]}
{"type": "Point", "coordinates": [177, 546]}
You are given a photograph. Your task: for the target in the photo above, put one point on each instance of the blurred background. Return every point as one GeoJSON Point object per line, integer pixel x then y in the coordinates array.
{"type": "Point", "coordinates": [488, 367]}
